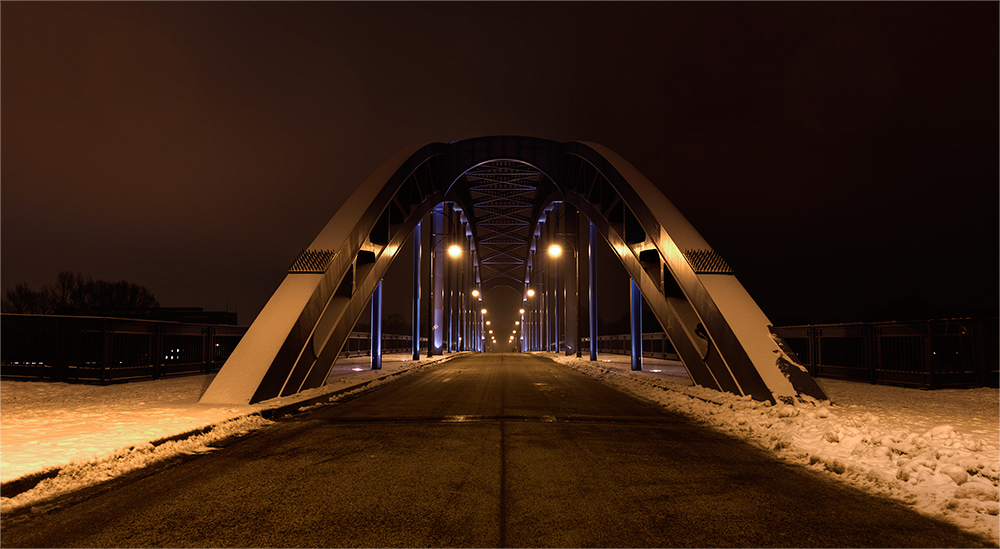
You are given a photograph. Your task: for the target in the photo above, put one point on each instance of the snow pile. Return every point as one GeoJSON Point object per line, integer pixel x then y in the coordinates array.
{"type": "Point", "coordinates": [82, 473]}
{"type": "Point", "coordinates": [938, 451]}
{"type": "Point", "coordinates": [84, 434]}
{"type": "Point", "coordinates": [51, 424]}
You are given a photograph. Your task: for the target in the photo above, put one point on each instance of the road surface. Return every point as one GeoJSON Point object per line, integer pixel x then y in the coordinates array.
{"type": "Point", "coordinates": [482, 451]}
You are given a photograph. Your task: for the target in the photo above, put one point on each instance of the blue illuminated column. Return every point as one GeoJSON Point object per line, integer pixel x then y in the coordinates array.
{"type": "Point", "coordinates": [592, 257]}
{"type": "Point", "coordinates": [435, 308]}
{"type": "Point", "coordinates": [546, 331]}
{"type": "Point", "coordinates": [636, 306]}
{"type": "Point", "coordinates": [416, 290]}
{"type": "Point", "coordinates": [376, 336]}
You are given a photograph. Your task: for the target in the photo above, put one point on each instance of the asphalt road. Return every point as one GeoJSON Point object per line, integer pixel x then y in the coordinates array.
{"type": "Point", "coordinates": [484, 451]}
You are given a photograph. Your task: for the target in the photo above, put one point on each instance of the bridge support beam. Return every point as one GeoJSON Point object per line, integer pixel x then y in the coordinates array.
{"type": "Point", "coordinates": [435, 308]}
{"type": "Point", "coordinates": [376, 329]}
{"type": "Point", "coordinates": [591, 288]}
{"type": "Point", "coordinates": [571, 295]}
{"type": "Point", "coordinates": [635, 301]}
{"type": "Point", "coordinates": [417, 249]}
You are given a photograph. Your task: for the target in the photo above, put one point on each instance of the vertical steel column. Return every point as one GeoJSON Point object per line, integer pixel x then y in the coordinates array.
{"type": "Point", "coordinates": [417, 248]}
{"type": "Point", "coordinates": [539, 317]}
{"type": "Point", "coordinates": [449, 279]}
{"type": "Point", "coordinates": [592, 257]}
{"type": "Point", "coordinates": [636, 310]}
{"type": "Point", "coordinates": [557, 300]}
{"type": "Point", "coordinates": [545, 332]}
{"type": "Point", "coordinates": [435, 312]}
{"type": "Point", "coordinates": [376, 335]}
{"type": "Point", "coordinates": [571, 300]}
{"type": "Point", "coordinates": [463, 308]}
{"type": "Point", "coordinates": [555, 280]}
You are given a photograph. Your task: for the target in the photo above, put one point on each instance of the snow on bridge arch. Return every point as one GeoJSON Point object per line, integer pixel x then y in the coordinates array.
{"type": "Point", "coordinates": [720, 334]}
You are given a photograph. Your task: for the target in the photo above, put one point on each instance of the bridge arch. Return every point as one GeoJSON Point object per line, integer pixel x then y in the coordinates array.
{"type": "Point", "coordinates": [719, 332]}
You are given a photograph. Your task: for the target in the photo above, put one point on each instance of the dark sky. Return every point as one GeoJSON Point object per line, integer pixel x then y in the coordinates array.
{"type": "Point", "coordinates": [843, 157]}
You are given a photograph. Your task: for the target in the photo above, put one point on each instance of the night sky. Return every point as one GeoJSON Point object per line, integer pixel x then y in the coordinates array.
{"type": "Point", "coordinates": [843, 157]}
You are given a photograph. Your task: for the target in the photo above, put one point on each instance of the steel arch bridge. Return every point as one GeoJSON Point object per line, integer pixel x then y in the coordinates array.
{"type": "Point", "coordinates": [503, 198]}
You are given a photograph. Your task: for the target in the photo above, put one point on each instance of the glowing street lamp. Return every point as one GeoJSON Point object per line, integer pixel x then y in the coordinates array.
{"type": "Point", "coordinates": [454, 251]}
{"type": "Point", "coordinates": [555, 250]}
{"type": "Point", "coordinates": [475, 293]}
{"type": "Point", "coordinates": [531, 292]}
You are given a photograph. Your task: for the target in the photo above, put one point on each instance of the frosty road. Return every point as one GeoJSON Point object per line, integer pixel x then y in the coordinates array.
{"type": "Point", "coordinates": [482, 451]}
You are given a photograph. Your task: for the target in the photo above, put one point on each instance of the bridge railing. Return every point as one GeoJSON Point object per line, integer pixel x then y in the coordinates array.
{"type": "Point", "coordinates": [927, 353]}
{"type": "Point", "coordinates": [654, 345]}
{"type": "Point", "coordinates": [360, 344]}
{"type": "Point", "coordinates": [106, 350]}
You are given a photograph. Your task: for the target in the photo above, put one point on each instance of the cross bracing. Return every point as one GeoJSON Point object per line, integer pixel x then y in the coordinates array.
{"type": "Point", "coordinates": [503, 195]}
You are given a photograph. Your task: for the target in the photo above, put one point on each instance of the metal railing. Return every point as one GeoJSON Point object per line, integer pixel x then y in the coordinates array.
{"type": "Point", "coordinates": [928, 353]}
{"type": "Point", "coordinates": [360, 344]}
{"type": "Point", "coordinates": [106, 350]}
{"type": "Point", "coordinates": [654, 345]}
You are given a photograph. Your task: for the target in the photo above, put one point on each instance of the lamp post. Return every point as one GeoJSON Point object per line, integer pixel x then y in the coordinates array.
{"type": "Point", "coordinates": [437, 292]}
{"type": "Point", "coordinates": [555, 251]}
{"type": "Point", "coordinates": [531, 337]}
{"type": "Point", "coordinates": [473, 325]}
{"type": "Point", "coordinates": [591, 293]}
{"type": "Point", "coordinates": [482, 329]}
{"type": "Point", "coordinates": [522, 324]}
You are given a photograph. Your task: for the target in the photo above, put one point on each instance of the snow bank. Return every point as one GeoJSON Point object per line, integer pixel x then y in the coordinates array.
{"type": "Point", "coordinates": [935, 450]}
{"type": "Point", "coordinates": [81, 435]}
{"type": "Point", "coordinates": [938, 451]}
{"type": "Point", "coordinates": [88, 472]}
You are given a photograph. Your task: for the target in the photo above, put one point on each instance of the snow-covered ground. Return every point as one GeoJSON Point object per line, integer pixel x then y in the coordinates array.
{"type": "Point", "coordinates": [90, 433]}
{"type": "Point", "coordinates": [938, 451]}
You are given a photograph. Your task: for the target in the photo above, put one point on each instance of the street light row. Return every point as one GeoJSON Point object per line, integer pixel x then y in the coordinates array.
{"type": "Point", "coordinates": [455, 251]}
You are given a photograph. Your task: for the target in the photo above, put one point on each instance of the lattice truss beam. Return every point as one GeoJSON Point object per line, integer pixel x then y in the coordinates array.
{"type": "Point", "coordinates": [503, 196]}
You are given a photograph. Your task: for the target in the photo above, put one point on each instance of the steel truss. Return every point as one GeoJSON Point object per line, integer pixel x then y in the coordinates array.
{"type": "Point", "coordinates": [504, 189]}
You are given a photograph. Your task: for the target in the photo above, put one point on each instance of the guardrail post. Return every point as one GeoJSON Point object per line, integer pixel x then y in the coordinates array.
{"type": "Point", "coordinates": [209, 348]}
{"type": "Point", "coordinates": [927, 352]}
{"type": "Point", "coordinates": [158, 352]}
{"type": "Point", "coordinates": [376, 328]}
{"type": "Point", "coordinates": [61, 341]}
{"type": "Point", "coordinates": [107, 353]}
{"type": "Point", "coordinates": [872, 352]}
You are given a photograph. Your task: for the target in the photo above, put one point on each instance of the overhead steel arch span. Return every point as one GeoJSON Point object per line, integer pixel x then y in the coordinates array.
{"type": "Point", "coordinates": [500, 195]}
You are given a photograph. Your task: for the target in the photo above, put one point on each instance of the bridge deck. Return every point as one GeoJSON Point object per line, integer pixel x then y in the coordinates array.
{"type": "Point", "coordinates": [485, 450]}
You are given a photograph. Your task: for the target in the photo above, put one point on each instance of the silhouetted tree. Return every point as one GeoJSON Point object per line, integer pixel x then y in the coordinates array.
{"type": "Point", "coordinates": [396, 324]}
{"type": "Point", "coordinates": [21, 299]}
{"type": "Point", "coordinates": [76, 294]}
{"type": "Point", "coordinates": [65, 292]}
